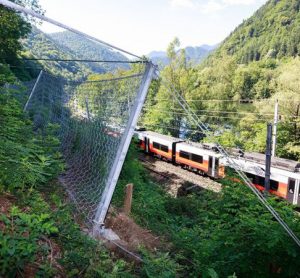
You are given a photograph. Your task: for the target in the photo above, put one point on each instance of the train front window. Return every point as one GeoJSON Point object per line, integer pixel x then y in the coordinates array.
{"type": "Point", "coordinates": [184, 154]}
{"type": "Point", "coordinates": [197, 158]}
{"type": "Point", "coordinates": [292, 183]}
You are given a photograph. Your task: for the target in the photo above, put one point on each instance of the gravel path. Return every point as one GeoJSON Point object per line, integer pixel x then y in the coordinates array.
{"type": "Point", "coordinates": [178, 176]}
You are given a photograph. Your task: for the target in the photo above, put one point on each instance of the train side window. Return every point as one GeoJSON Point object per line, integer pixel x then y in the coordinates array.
{"type": "Point", "coordinates": [292, 183]}
{"type": "Point", "coordinates": [156, 145]}
{"type": "Point", "coordinates": [210, 162]}
{"type": "Point", "coordinates": [184, 154]}
{"type": "Point", "coordinates": [164, 148]}
{"type": "Point", "coordinates": [262, 181]}
{"type": "Point", "coordinates": [197, 158]}
{"type": "Point", "coordinates": [251, 177]}
{"type": "Point", "coordinates": [216, 162]}
{"type": "Point", "coordinates": [274, 185]}
{"type": "Point", "coordinates": [259, 180]}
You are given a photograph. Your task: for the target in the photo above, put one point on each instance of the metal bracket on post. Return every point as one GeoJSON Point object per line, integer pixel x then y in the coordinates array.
{"type": "Point", "coordinates": [122, 150]}
{"type": "Point", "coordinates": [33, 90]}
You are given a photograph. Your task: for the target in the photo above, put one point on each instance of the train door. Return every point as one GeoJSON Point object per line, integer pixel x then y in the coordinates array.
{"type": "Point", "coordinates": [216, 170]}
{"type": "Point", "coordinates": [298, 191]}
{"type": "Point", "coordinates": [291, 191]}
{"type": "Point", "coordinates": [174, 152]}
{"type": "Point", "coordinates": [210, 166]}
{"type": "Point", "coordinates": [147, 140]}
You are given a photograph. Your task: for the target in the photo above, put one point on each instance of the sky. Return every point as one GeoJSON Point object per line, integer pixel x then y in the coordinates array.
{"type": "Point", "coordinates": [141, 26]}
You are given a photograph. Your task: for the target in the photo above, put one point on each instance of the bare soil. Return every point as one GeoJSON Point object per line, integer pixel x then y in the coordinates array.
{"type": "Point", "coordinates": [131, 234]}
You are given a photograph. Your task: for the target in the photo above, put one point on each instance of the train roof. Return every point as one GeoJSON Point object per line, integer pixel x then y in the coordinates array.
{"type": "Point", "coordinates": [206, 146]}
{"type": "Point", "coordinates": [160, 136]}
{"type": "Point", "coordinates": [276, 162]}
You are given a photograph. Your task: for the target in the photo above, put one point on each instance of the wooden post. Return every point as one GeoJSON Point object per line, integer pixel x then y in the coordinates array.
{"type": "Point", "coordinates": [128, 198]}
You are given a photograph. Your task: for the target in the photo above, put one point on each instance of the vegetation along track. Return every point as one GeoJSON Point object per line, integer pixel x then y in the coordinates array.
{"type": "Point", "coordinates": [176, 176]}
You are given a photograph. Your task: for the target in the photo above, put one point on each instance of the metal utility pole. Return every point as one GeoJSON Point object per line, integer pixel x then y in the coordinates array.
{"type": "Point", "coordinates": [275, 129]}
{"type": "Point", "coordinates": [268, 158]}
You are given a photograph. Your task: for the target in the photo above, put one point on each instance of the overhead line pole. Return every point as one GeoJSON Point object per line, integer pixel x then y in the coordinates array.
{"type": "Point", "coordinates": [268, 158]}
{"type": "Point", "coordinates": [19, 8]}
{"type": "Point", "coordinates": [275, 129]}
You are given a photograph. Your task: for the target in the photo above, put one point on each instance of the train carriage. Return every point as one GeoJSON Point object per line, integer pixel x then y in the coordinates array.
{"type": "Point", "coordinates": [200, 157]}
{"type": "Point", "coordinates": [285, 176]}
{"type": "Point", "coordinates": [160, 145]}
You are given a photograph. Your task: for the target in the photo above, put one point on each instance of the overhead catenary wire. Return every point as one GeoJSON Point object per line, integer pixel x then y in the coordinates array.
{"type": "Point", "coordinates": [175, 128]}
{"type": "Point", "coordinates": [27, 11]}
{"type": "Point", "coordinates": [205, 115]}
{"type": "Point", "coordinates": [220, 111]}
{"type": "Point", "coordinates": [178, 111]}
{"type": "Point", "coordinates": [241, 101]}
{"type": "Point", "coordinates": [182, 102]}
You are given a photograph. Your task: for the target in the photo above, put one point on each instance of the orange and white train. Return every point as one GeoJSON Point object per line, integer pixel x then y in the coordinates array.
{"type": "Point", "coordinates": [205, 159]}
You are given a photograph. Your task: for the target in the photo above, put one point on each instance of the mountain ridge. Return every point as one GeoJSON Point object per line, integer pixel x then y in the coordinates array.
{"type": "Point", "coordinates": [194, 54]}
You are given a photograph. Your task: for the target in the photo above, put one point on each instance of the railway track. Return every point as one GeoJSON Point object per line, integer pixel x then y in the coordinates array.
{"type": "Point", "coordinates": [149, 167]}
{"type": "Point", "coordinates": [174, 176]}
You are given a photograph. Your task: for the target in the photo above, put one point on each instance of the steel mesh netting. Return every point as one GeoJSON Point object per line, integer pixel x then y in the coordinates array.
{"type": "Point", "coordinates": [91, 117]}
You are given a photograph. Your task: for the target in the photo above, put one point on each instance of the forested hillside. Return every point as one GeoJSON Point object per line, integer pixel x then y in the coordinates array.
{"type": "Point", "coordinates": [39, 45]}
{"type": "Point", "coordinates": [68, 46]}
{"type": "Point", "coordinates": [272, 32]}
{"type": "Point", "coordinates": [89, 50]}
{"type": "Point", "coordinates": [235, 89]}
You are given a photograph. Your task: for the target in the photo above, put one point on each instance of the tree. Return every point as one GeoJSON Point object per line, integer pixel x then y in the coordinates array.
{"type": "Point", "coordinates": [166, 115]}
{"type": "Point", "coordinates": [13, 27]}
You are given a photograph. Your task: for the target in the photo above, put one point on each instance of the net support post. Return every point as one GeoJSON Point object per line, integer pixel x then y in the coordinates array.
{"type": "Point", "coordinates": [122, 150]}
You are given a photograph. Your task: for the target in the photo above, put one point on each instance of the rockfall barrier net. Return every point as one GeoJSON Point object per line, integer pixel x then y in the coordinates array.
{"type": "Point", "coordinates": [91, 118]}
